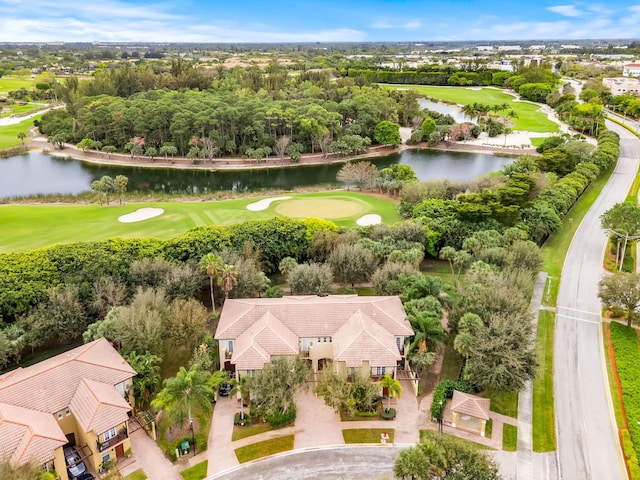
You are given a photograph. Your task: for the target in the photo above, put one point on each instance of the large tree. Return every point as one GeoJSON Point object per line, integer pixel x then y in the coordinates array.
{"type": "Point", "coordinates": [147, 381]}
{"type": "Point", "coordinates": [387, 133]}
{"type": "Point", "coordinates": [443, 457]}
{"type": "Point", "coordinates": [187, 390]}
{"type": "Point", "coordinates": [310, 279]}
{"type": "Point", "coordinates": [623, 223]}
{"type": "Point", "coordinates": [352, 263]}
{"type": "Point", "coordinates": [621, 290]}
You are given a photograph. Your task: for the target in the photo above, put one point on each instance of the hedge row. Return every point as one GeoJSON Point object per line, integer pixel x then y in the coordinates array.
{"type": "Point", "coordinates": [25, 277]}
{"type": "Point", "coordinates": [625, 347]}
{"type": "Point", "coordinates": [442, 392]}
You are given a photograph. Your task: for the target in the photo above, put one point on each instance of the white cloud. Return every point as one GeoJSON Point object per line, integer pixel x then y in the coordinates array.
{"type": "Point", "coordinates": [566, 10]}
{"type": "Point", "coordinates": [410, 25]}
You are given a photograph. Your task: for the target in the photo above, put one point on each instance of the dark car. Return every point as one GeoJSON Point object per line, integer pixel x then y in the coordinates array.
{"type": "Point", "coordinates": [224, 389]}
{"type": "Point", "coordinates": [75, 466]}
{"type": "Point", "coordinates": [86, 476]}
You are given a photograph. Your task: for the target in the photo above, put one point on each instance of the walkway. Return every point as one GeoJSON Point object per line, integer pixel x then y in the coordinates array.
{"type": "Point", "coordinates": [148, 456]}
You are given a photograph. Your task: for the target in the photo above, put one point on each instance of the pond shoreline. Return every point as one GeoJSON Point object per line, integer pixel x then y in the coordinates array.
{"type": "Point", "coordinates": [231, 164]}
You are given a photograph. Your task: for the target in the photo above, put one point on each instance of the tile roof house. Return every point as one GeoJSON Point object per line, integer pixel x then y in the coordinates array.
{"type": "Point", "coordinates": [81, 397]}
{"type": "Point", "coordinates": [348, 332]}
{"type": "Point", "coordinates": [631, 70]}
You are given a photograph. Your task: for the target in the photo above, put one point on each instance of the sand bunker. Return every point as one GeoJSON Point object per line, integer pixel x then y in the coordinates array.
{"type": "Point", "coordinates": [140, 214]}
{"type": "Point", "coordinates": [264, 203]}
{"type": "Point", "coordinates": [370, 219]}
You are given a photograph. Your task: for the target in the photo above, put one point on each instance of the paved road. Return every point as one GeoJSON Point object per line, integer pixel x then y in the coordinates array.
{"type": "Point", "coordinates": [586, 444]}
{"type": "Point", "coordinates": [345, 463]}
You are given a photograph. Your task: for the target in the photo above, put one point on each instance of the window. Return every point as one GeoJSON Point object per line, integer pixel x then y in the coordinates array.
{"type": "Point", "coordinates": [67, 412]}
{"type": "Point", "coordinates": [251, 373]}
{"type": "Point", "coordinates": [380, 371]}
{"type": "Point", "coordinates": [120, 389]}
{"type": "Point", "coordinates": [60, 415]}
{"type": "Point", "coordinates": [399, 343]}
{"type": "Point", "coordinates": [230, 349]}
{"type": "Point", "coordinates": [109, 433]}
{"type": "Point", "coordinates": [106, 457]}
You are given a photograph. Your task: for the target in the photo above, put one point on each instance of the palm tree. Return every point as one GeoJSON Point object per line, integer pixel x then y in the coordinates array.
{"type": "Point", "coordinates": [211, 264]}
{"type": "Point", "coordinates": [428, 331]}
{"type": "Point", "coordinates": [189, 388]}
{"type": "Point", "coordinates": [241, 386]}
{"type": "Point", "coordinates": [393, 387]}
{"type": "Point", "coordinates": [228, 278]}
{"type": "Point", "coordinates": [147, 381]}
{"type": "Point", "coordinates": [411, 464]}
{"type": "Point", "coordinates": [22, 136]}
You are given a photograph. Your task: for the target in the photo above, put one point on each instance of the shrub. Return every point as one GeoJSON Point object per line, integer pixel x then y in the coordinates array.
{"type": "Point", "coordinates": [443, 391]}
{"type": "Point", "coordinates": [389, 413]}
{"type": "Point", "coordinates": [241, 421]}
{"type": "Point", "coordinates": [278, 418]}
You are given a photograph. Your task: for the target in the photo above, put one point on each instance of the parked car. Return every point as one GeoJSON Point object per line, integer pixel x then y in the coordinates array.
{"type": "Point", "coordinates": [86, 476]}
{"type": "Point", "coordinates": [224, 389]}
{"type": "Point", "coordinates": [75, 466]}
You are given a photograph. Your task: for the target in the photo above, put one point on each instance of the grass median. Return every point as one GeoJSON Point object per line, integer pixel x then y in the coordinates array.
{"type": "Point", "coordinates": [544, 424]}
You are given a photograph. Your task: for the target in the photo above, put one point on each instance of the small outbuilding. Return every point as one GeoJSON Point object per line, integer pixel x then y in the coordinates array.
{"type": "Point", "coordinates": [469, 412]}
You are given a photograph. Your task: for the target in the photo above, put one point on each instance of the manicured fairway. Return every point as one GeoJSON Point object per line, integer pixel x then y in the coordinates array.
{"type": "Point", "coordinates": [25, 227]}
{"type": "Point", "coordinates": [9, 133]}
{"type": "Point", "coordinates": [529, 118]}
{"type": "Point", "coordinates": [9, 84]}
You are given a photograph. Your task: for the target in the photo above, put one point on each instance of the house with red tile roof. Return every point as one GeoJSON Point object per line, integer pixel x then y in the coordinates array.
{"type": "Point", "coordinates": [81, 398]}
{"type": "Point", "coordinates": [631, 70]}
{"type": "Point", "coordinates": [346, 333]}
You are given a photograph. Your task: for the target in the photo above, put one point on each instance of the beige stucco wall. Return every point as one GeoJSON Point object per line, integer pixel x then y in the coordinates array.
{"type": "Point", "coordinates": [60, 464]}
{"type": "Point", "coordinates": [319, 351]}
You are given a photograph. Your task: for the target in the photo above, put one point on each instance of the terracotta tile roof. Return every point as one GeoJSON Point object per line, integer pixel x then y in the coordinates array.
{"type": "Point", "coordinates": [267, 337]}
{"type": "Point", "coordinates": [28, 435]}
{"type": "Point", "coordinates": [360, 338]}
{"type": "Point", "coordinates": [31, 387]}
{"type": "Point", "coordinates": [98, 406]}
{"type": "Point", "coordinates": [29, 397]}
{"type": "Point", "coordinates": [472, 405]}
{"type": "Point", "coordinates": [312, 316]}
{"type": "Point", "coordinates": [362, 328]}
{"type": "Point", "coordinates": [632, 65]}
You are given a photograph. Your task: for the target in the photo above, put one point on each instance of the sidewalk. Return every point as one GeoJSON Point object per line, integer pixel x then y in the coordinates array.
{"type": "Point", "coordinates": [148, 456]}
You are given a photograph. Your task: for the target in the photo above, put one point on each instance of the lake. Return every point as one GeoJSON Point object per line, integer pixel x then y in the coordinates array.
{"type": "Point", "coordinates": [36, 173]}
{"type": "Point", "coordinates": [452, 110]}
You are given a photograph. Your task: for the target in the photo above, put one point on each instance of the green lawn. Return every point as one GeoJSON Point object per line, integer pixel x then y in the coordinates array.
{"type": "Point", "coordinates": [366, 435]}
{"type": "Point", "coordinates": [544, 425]}
{"type": "Point", "coordinates": [249, 430]}
{"type": "Point", "coordinates": [9, 133]}
{"type": "Point", "coordinates": [509, 438]}
{"type": "Point", "coordinates": [555, 248]}
{"type": "Point", "coordinates": [28, 227]}
{"type": "Point", "coordinates": [537, 141]}
{"type": "Point", "coordinates": [264, 449]}
{"type": "Point", "coordinates": [438, 268]}
{"type": "Point", "coordinates": [197, 472]}
{"type": "Point", "coordinates": [528, 116]}
{"type": "Point", "coordinates": [137, 475]}
{"type": "Point", "coordinates": [502, 402]}
{"type": "Point", "coordinates": [432, 434]}
{"type": "Point", "coordinates": [9, 84]}
{"type": "Point", "coordinates": [452, 363]}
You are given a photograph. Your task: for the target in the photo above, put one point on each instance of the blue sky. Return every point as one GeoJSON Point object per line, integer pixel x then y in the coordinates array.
{"type": "Point", "coordinates": [303, 20]}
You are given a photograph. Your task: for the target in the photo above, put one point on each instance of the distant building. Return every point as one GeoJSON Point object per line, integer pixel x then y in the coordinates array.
{"type": "Point", "coordinates": [508, 48]}
{"type": "Point", "coordinates": [485, 48]}
{"type": "Point", "coordinates": [631, 70]}
{"type": "Point", "coordinates": [622, 85]}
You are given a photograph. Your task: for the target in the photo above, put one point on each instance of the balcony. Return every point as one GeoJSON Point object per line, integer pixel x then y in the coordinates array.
{"type": "Point", "coordinates": [113, 440]}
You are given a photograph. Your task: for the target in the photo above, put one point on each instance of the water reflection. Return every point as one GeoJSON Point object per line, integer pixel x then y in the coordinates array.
{"type": "Point", "coordinates": [36, 173]}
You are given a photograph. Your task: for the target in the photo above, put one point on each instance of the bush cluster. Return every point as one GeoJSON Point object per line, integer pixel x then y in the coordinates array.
{"type": "Point", "coordinates": [277, 418]}
{"type": "Point", "coordinates": [241, 421]}
{"type": "Point", "coordinates": [443, 391]}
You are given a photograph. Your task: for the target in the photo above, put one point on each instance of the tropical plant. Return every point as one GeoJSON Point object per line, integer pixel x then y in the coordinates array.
{"type": "Point", "coordinates": [188, 389]}
{"type": "Point", "coordinates": [394, 389]}
{"type": "Point", "coordinates": [147, 381]}
{"type": "Point", "coordinates": [211, 264]}
{"type": "Point", "coordinates": [228, 278]}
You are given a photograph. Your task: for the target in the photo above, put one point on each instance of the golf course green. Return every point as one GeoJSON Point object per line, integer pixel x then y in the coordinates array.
{"type": "Point", "coordinates": [26, 227]}
{"type": "Point", "coordinates": [529, 118]}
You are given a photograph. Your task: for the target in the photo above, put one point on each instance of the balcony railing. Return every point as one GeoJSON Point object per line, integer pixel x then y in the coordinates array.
{"type": "Point", "coordinates": [113, 441]}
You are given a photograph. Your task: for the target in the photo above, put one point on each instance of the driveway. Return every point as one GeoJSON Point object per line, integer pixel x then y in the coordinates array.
{"type": "Point", "coordinates": [148, 456]}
